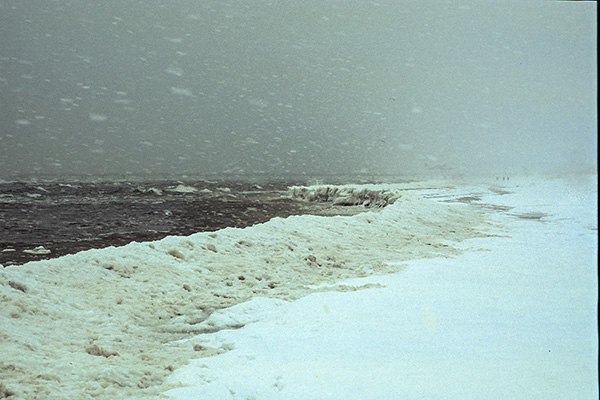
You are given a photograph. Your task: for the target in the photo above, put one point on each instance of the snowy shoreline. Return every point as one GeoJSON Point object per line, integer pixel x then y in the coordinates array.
{"type": "Point", "coordinates": [120, 321]}
{"type": "Point", "coordinates": [97, 322]}
{"type": "Point", "coordinates": [517, 320]}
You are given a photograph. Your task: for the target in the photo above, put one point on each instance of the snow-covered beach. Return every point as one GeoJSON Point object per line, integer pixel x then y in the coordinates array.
{"type": "Point", "coordinates": [298, 200]}
{"type": "Point", "coordinates": [426, 298]}
{"type": "Point", "coordinates": [516, 320]}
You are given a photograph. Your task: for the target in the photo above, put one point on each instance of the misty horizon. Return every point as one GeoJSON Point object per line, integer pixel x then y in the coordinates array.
{"type": "Point", "coordinates": [286, 88]}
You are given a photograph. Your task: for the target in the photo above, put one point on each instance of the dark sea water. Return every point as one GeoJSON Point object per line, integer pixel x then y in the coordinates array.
{"type": "Point", "coordinates": [67, 217]}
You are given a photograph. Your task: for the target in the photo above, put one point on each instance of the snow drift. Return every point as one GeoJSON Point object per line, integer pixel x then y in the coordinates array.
{"type": "Point", "coordinates": [107, 323]}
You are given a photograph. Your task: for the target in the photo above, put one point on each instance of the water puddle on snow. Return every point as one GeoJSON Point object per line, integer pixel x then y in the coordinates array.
{"type": "Point", "coordinates": [535, 216]}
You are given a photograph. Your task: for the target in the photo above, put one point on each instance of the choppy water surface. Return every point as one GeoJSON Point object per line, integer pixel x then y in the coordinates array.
{"type": "Point", "coordinates": [68, 217]}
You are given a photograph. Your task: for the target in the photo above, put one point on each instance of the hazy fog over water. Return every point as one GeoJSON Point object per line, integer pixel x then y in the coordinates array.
{"type": "Point", "coordinates": [339, 86]}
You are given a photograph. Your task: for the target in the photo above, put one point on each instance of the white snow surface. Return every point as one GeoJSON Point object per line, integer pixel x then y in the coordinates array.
{"type": "Point", "coordinates": [425, 298]}
{"type": "Point", "coordinates": [517, 320]}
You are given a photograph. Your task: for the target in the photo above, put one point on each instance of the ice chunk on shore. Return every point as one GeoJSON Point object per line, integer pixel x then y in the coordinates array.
{"type": "Point", "coordinates": [345, 195]}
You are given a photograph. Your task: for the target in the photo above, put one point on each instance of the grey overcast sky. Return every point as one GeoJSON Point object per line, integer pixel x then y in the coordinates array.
{"type": "Point", "coordinates": [303, 87]}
